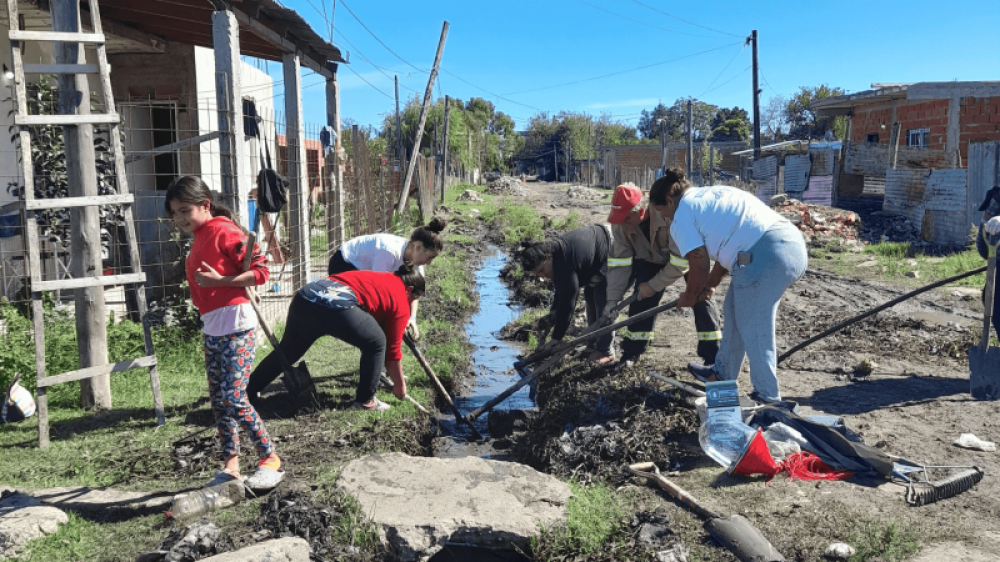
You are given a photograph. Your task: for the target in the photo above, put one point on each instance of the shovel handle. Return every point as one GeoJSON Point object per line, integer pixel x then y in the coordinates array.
{"type": "Point", "coordinates": [440, 387]}
{"type": "Point", "coordinates": [650, 471]}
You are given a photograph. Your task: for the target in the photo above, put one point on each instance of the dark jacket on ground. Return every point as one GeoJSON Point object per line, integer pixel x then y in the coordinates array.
{"type": "Point", "coordinates": [577, 258]}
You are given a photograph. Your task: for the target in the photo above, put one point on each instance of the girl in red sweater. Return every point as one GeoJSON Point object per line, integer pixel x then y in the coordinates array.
{"type": "Point", "coordinates": [366, 309]}
{"type": "Point", "coordinates": [217, 281]}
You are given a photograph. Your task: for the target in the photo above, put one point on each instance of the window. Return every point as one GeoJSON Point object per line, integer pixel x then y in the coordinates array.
{"type": "Point", "coordinates": [871, 138]}
{"type": "Point", "coordinates": [164, 132]}
{"type": "Point", "coordinates": [918, 137]}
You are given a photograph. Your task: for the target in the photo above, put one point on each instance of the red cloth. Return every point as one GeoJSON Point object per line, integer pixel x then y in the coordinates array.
{"type": "Point", "coordinates": [221, 244]}
{"type": "Point", "coordinates": [382, 295]}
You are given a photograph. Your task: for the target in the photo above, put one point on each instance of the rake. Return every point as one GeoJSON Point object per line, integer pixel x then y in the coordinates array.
{"type": "Point", "coordinates": [927, 491]}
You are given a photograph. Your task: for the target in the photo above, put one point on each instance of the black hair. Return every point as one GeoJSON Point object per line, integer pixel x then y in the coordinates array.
{"type": "Point", "coordinates": [534, 255]}
{"type": "Point", "coordinates": [193, 190]}
{"type": "Point", "coordinates": [671, 184]}
{"type": "Point", "coordinates": [991, 205]}
{"type": "Point", "coordinates": [411, 277]}
{"type": "Point", "coordinates": [428, 235]}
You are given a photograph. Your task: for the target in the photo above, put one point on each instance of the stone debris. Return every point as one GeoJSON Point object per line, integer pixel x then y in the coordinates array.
{"type": "Point", "coordinates": [470, 195]}
{"type": "Point", "coordinates": [423, 503]}
{"type": "Point", "coordinates": [188, 544]}
{"type": "Point", "coordinates": [839, 551]}
{"type": "Point", "coordinates": [23, 518]}
{"type": "Point", "coordinates": [882, 227]}
{"type": "Point", "coordinates": [507, 185]}
{"type": "Point", "coordinates": [818, 221]}
{"type": "Point", "coordinates": [585, 193]}
{"type": "Point", "coordinates": [291, 549]}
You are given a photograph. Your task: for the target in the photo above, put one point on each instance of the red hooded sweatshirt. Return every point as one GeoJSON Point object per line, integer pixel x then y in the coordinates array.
{"type": "Point", "coordinates": [221, 244]}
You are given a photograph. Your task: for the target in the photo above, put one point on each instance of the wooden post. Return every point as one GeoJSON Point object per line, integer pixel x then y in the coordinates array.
{"type": "Point", "coordinates": [228, 88]}
{"type": "Point", "coordinates": [896, 130]}
{"type": "Point", "coordinates": [555, 160]}
{"type": "Point", "coordinates": [711, 165]}
{"type": "Point", "coordinates": [85, 222]}
{"type": "Point", "coordinates": [335, 203]}
{"type": "Point", "coordinates": [423, 120]}
{"type": "Point", "coordinates": [690, 142]}
{"type": "Point", "coordinates": [295, 149]}
{"type": "Point", "coordinates": [444, 163]}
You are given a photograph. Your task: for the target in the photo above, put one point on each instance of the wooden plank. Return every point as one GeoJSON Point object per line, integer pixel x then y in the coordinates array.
{"type": "Point", "coordinates": [80, 283]}
{"type": "Point", "coordinates": [92, 119]}
{"type": "Point", "coordinates": [67, 202]}
{"type": "Point", "coordinates": [139, 155]}
{"type": "Point", "coordinates": [100, 370]}
{"type": "Point", "coordinates": [67, 37]}
{"type": "Point", "coordinates": [273, 37]}
{"type": "Point", "coordinates": [61, 69]}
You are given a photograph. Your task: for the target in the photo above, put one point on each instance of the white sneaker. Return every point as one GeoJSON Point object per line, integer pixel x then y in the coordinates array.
{"type": "Point", "coordinates": [375, 405]}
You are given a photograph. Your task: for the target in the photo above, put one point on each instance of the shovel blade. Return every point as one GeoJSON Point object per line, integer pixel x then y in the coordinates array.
{"type": "Point", "coordinates": [740, 537]}
{"type": "Point", "coordinates": [299, 383]}
{"type": "Point", "coordinates": [984, 372]}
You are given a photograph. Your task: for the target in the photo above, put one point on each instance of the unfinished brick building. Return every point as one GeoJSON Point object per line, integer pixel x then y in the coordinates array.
{"type": "Point", "coordinates": [921, 150]}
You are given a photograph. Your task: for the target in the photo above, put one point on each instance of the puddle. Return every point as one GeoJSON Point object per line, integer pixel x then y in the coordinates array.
{"type": "Point", "coordinates": [492, 359]}
{"type": "Point", "coordinates": [941, 318]}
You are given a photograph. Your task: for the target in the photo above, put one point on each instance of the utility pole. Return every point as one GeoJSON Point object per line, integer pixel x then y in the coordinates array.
{"type": "Point", "coordinates": [566, 153]}
{"type": "Point", "coordinates": [690, 139]}
{"type": "Point", "coordinates": [399, 129]}
{"type": "Point", "coordinates": [405, 192]}
{"type": "Point", "coordinates": [756, 100]}
{"type": "Point", "coordinates": [444, 164]}
{"type": "Point", "coordinates": [555, 160]}
{"type": "Point", "coordinates": [85, 222]}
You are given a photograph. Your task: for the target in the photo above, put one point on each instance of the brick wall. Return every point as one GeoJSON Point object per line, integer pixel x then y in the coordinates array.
{"type": "Point", "coordinates": [979, 120]}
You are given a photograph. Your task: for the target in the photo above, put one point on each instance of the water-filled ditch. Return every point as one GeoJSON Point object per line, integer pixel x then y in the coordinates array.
{"type": "Point", "coordinates": [492, 361]}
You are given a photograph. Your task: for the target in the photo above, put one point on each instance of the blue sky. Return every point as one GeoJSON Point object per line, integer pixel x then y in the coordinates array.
{"type": "Point", "coordinates": [548, 55]}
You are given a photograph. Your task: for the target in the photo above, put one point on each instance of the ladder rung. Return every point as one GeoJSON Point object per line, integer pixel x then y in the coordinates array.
{"type": "Point", "coordinates": [68, 37]}
{"type": "Point", "coordinates": [83, 282]}
{"type": "Point", "coordinates": [61, 69]}
{"type": "Point", "coordinates": [91, 372]}
{"type": "Point", "coordinates": [93, 119]}
{"type": "Point", "coordinates": [67, 202]}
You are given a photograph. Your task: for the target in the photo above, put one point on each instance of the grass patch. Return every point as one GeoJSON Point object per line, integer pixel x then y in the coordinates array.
{"type": "Point", "coordinates": [569, 222]}
{"type": "Point", "coordinates": [895, 260]}
{"type": "Point", "coordinates": [594, 520]}
{"type": "Point", "coordinates": [886, 541]}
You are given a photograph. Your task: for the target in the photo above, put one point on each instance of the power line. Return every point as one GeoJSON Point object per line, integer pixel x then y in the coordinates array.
{"type": "Point", "coordinates": [498, 96]}
{"type": "Point", "coordinates": [639, 22]}
{"type": "Point", "coordinates": [684, 20]}
{"type": "Point", "coordinates": [376, 36]}
{"type": "Point", "coordinates": [366, 81]}
{"type": "Point", "coordinates": [622, 71]}
{"type": "Point", "coordinates": [366, 59]}
{"type": "Point", "coordinates": [730, 80]}
{"type": "Point", "coordinates": [723, 70]}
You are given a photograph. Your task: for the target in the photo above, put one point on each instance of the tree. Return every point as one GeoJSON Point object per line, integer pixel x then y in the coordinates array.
{"type": "Point", "coordinates": [651, 123]}
{"type": "Point", "coordinates": [675, 120]}
{"type": "Point", "coordinates": [803, 121]}
{"type": "Point", "coordinates": [773, 119]}
{"type": "Point", "coordinates": [730, 125]}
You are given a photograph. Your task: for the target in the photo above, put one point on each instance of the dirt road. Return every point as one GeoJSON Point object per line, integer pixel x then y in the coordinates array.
{"type": "Point", "coordinates": [915, 404]}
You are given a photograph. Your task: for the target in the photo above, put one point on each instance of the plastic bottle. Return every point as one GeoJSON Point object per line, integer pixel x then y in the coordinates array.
{"type": "Point", "coordinates": [723, 438]}
{"type": "Point", "coordinates": [198, 502]}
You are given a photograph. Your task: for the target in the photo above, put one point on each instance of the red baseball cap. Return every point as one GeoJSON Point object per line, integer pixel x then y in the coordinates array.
{"type": "Point", "coordinates": [625, 199]}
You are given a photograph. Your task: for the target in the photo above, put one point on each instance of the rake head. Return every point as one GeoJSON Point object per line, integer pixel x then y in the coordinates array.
{"type": "Point", "coordinates": [927, 491]}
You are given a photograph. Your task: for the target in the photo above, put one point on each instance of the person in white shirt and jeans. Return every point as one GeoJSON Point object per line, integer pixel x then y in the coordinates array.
{"type": "Point", "coordinates": [763, 251]}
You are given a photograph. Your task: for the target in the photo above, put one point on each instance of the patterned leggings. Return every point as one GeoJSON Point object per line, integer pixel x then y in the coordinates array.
{"type": "Point", "coordinates": [228, 360]}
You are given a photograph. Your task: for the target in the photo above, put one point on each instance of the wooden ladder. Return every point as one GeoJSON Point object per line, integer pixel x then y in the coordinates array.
{"type": "Point", "coordinates": [124, 198]}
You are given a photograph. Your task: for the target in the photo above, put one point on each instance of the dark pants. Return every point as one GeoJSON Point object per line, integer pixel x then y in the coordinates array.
{"type": "Point", "coordinates": [996, 301]}
{"type": "Point", "coordinates": [596, 296]}
{"type": "Point", "coordinates": [306, 323]}
{"type": "Point", "coordinates": [637, 336]}
{"type": "Point", "coordinates": [338, 264]}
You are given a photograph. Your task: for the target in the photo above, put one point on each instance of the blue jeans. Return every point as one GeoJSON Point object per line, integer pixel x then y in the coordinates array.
{"type": "Point", "coordinates": [779, 259]}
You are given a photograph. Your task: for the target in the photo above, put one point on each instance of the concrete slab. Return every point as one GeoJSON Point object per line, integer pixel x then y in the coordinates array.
{"type": "Point", "coordinates": [84, 499]}
{"type": "Point", "coordinates": [23, 518]}
{"type": "Point", "coordinates": [423, 503]}
{"type": "Point", "coordinates": [291, 549]}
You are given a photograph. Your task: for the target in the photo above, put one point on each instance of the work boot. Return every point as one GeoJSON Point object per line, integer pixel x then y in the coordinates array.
{"type": "Point", "coordinates": [704, 373]}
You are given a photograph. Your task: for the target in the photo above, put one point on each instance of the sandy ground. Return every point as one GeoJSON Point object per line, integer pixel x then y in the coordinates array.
{"type": "Point", "coordinates": [914, 405]}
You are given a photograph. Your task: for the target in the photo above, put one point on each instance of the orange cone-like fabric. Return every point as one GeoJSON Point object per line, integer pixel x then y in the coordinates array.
{"type": "Point", "coordinates": [756, 459]}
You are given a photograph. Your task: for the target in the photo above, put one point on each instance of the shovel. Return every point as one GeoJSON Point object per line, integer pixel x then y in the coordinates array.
{"type": "Point", "coordinates": [736, 533]}
{"type": "Point", "coordinates": [984, 361]}
{"type": "Point", "coordinates": [298, 381]}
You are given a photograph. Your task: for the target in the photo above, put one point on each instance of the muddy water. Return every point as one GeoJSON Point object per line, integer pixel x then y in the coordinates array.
{"type": "Point", "coordinates": [492, 361]}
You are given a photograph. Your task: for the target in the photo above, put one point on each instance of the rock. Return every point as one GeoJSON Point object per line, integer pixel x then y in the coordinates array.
{"type": "Point", "coordinates": [913, 274]}
{"type": "Point", "coordinates": [23, 518]}
{"type": "Point", "coordinates": [911, 263]}
{"type": "Point", "coordinates": [580, 192]}
{"type": "Point", "coordinates": [190, 543]}
{"type": "Point", "coordinates": [869, 263]}
{"type": "Point", "coordinates": [777, 200]}
{"type": "Point", "coordinates": [503, 423]}
{"type": "Point", "coordinates": [423, 503]}
{"type": "Point", "coordinates": [839, 551]}
{"type": "Point", "coordinates": [470, 195]}
{"type": "Point", "coordinates": [967, 293]}
{"type": "Point", "coordinates": [84, 499]}
{"type": "Point", "coordinates": [291, 549]}
{"type": "Point", "coordinates": [679, 553]}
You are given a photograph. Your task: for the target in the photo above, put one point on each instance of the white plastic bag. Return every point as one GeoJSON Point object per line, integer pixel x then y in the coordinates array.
{"type": "Point", "coordinates": [970, 441]}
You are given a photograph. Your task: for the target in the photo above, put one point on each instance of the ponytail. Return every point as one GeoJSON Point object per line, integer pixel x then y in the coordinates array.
{"type": "Point", "coordinates": [533, 257]}
{"type": "Point", "coordinates": [193, 190]}
{"type": "Point", "coordinates": [412, 278]}
{"type": "Point", "coordinates": [429, 235]}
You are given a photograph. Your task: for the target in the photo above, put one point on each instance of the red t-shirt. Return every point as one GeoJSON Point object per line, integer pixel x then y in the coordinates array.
{"type": "Point", "coordinates": [382, 295]}
{"type": "Point", "coordinates": [221, 244]}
